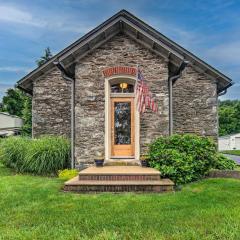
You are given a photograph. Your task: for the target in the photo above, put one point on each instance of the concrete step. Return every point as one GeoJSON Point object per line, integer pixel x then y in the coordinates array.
{"type": "Point", "coordinates": [75, 185]}
{"type": "Point", "coordinates": [119, 173]}
{"type": "Point", "coordinates": [122, 162]}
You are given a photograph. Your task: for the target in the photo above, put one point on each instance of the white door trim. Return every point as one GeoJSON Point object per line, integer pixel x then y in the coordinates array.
{"type": "Point", "coordinates": [107, 140]}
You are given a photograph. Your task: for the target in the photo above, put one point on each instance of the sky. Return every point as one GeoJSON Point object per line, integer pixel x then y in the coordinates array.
{"type": "Point", "coordinates": [208, 28]}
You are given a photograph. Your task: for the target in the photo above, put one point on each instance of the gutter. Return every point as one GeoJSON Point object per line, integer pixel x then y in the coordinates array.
{"type": "Point", "coordinates": [224, 91]}
{"type": "Point", "coordinates": [70, 77]}
{"type": "Point", "coordinates": [171, 81]}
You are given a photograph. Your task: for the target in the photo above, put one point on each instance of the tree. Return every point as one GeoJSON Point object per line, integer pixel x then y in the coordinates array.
{"type": "Point", "coordinates": [13, 102]}
{"type": "Point", "coordinates": [27, 117]}
{"type": "Point", "coordinates": [47, 55]}
{"type": "Point", "coordinates": [229, 117]}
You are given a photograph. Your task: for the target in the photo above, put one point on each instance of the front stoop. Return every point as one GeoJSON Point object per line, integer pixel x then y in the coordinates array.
{"type": "Point", "coordinates": [119, 179]}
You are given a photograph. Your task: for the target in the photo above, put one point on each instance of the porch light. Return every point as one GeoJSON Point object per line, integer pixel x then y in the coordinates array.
{"type": "Point", "coordinates": [123, 85]}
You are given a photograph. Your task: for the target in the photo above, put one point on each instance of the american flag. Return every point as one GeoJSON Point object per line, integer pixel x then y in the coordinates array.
{"type": "Point", "coordinates": [144, 96]}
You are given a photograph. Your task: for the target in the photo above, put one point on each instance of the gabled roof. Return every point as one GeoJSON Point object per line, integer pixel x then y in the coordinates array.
{"type": "Point", "coordinates": [125, 22]}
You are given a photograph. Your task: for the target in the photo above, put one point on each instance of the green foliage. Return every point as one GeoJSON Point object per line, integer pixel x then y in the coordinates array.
{"type": "Point", "coordinates": [18, 103]}
{"type": "Point", "coordinates": [13, 151]}
{"type": "Point", "coordinates": [233, 152]}
{"type": "Point", "coordinates": [183, 158]}
{"type": "Point", "coordinates": [43, 156]}
{"type": "Point", "coordinates": [47, 55]}
{"type": "Point", "coordinates": [27, 117]}
{"type": "Point", "coordinates": [13, 102]}
{"type": "Point", "coordinates": [224, 163]}
{"type": "Point", "coordinates": [229, 117]}
{"type": "Point", "coordinates": [67, 174]}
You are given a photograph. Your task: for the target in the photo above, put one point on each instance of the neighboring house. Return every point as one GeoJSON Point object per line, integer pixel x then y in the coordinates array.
{"type": "Point", "coordinates": [9, 124]}
{"type": "Point", "coordinates": [80, 92]}
{"type": "Point", "coordinates": [229, 142]}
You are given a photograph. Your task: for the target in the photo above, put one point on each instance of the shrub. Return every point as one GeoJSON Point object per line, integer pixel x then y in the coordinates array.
{"type": "Point", "coordinates": [67, 174]}
{"type": "Point", "coordinates": [42, 156]}
{"type": "Point", "coordinates": [182, 158]}
{"type": "Point", "coordinates": [13, 151]}
{"type": "Point", "coordinates": [224, 163]}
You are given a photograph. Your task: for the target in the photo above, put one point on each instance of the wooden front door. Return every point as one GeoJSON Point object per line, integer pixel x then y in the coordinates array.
{"type": "Point", "coordinates": [122, 127]}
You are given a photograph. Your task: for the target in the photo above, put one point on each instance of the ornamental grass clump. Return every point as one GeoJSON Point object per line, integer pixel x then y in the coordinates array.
{"type": "Point", "coordinates": [47, 155]}
{"type": "Point", "coordinates": [13, 151]}
{"type": "Point", "coordinates": [183, 158]}
{"type": "Point", "coordinates": [43, 156]}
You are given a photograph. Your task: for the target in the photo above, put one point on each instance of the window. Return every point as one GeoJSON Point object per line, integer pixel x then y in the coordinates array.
{"type": "Point", "coordinates": [122, 87]}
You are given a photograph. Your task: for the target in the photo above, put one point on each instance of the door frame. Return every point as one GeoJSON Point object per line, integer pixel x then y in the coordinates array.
{"type": "Point", "coordinates": [107, 140]}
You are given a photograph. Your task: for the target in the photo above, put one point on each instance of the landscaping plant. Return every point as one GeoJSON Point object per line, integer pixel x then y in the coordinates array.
{"type": "Point", "coordinates": [67, 174]}
{"type": "Point", "coordinates": [183, 158]}
{"type": "Point", "coordinates": [13, 152]}
{"type": "Point", "coordinates": [43, 156]}
{"type": "Point", "coordinates": [224, 163]}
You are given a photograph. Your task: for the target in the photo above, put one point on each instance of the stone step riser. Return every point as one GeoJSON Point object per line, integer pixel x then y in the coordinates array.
{"type": "Point", "coordinates": [119, 177]}
{"type": "Point", "coordinates": [118, 188]}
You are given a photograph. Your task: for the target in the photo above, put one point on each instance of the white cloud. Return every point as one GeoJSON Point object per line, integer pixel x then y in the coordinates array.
{"type": "Point", "coordinates": [13, 14]}
{"type": "Point", "coordinates": [51, 21]}
{"type": "Point", "coordinates": [228, 52]}
{"type": "Point", "coordinates": [14, 69]}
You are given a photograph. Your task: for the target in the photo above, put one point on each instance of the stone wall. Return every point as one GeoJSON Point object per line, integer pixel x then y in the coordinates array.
{"type": "Point", "coordinates": [195, 104]}
{"type": "Point", "coordinates": [51, 105]}
{"type": "Point", "coordinates": [90, 99]}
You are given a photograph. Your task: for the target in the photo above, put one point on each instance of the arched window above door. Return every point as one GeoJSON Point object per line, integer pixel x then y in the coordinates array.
{"type": "Point", "coordinates": [122, 87]}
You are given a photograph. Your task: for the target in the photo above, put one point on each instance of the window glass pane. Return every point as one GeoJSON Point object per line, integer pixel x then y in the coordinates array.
{"type": "Point", "coordinates": [122, 88]}
{"type": "Point", "coordinates": [122, 122]}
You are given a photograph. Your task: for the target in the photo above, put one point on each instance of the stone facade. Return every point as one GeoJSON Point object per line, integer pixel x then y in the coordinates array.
{"type": "Point", "coordinates": [195, 104]}
{"type": "Point", "coordinates": [90, 95]}
{"type": "Point", "coordinates": [51, 107]}
{"type": "Point", "coordinates": [194, 99]}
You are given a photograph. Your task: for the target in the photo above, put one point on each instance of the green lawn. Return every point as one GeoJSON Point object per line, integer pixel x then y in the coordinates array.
{"type": "Point", "coordinates": [233, 152]}
{"type": "Point", "coordinates": [35, 208]}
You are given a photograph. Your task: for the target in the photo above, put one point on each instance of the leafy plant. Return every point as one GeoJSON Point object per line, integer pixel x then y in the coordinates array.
{"type": "Point", "coordinates": [224, 163]}
{"type": "Point", "coordinates": [67, 174]}
{"type": "Point", "coordinates": [183, 158]}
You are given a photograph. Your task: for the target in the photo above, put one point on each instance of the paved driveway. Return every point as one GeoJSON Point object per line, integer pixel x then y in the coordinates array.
{"type": "Point", "coordinates": [234, 157]}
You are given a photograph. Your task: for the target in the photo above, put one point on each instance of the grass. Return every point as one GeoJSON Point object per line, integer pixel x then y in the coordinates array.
{"type": "Point", "coordinates": [35, 208]}
{"type": "Point", "coordinates": [233, 152]}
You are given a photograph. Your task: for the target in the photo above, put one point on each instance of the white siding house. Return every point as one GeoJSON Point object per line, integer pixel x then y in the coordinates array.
{"type": "Point", "coordinates": [229, 142]}
{"type": "Point", "coordinates": [9, 124]}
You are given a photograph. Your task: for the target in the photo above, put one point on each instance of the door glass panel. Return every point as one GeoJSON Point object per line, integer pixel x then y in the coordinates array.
{"type": "Point", "coordinates": [122, 123]}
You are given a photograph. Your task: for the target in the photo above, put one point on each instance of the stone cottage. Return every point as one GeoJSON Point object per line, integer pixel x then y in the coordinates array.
{"type": "Point", "coordinates": [87, 91]}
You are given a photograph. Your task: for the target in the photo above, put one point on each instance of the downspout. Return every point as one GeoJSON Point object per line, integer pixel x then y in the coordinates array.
{"type": "Point", "coordinates": [69, 77]}
{"type": "Point", "coordinates": [171, 82]}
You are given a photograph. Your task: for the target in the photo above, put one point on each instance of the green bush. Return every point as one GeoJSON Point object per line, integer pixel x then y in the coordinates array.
{"type": "Point", "coordinates": [67, 174]}
{"type": "Point", "coordinates": [42, 156]}
{"type": "Point", "coordinates": [183, 158]}
{"type": "Point", "coordinates": [224, 163]}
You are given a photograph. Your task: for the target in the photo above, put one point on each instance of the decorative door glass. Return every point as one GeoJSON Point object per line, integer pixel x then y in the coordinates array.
{"type": "Point", "coordinates": [122, 123]}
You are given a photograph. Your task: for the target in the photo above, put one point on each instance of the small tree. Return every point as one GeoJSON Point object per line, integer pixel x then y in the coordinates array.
{"type": "Point", "coordinates": [47, 55]}
{"type": "Point", "coordinates": [27, 117]}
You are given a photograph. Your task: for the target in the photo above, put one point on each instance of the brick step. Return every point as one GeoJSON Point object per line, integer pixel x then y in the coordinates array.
{"type": "Point", "coordinates": [119, 177]}
{"type": "Point", "coordinates": [74, 185]}
{"type": "Point", "coordinates": [119, 173]}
